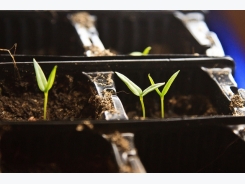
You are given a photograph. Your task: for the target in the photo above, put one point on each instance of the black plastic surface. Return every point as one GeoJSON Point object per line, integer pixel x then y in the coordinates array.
{"type": "Point", "coordinates": [51, 33]}
{"type": "Point", "coordinates": [185, 144]}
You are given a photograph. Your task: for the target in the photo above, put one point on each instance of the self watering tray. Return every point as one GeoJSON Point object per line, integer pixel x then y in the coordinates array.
{"type": "Point", "coordinates": [85, 138]}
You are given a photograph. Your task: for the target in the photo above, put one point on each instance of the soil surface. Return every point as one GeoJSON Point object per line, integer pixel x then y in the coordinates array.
{"type": "Point", "coordinates": [236, 102]}
{"type": "Point", "coordinates": [73, 97]}
{"type": "Point", "coordinates": [96, 51]}
{"type": "Point", "coordinates": [176, 106]}
{"type": "Point", "coordinates": [69, 99]}
{"type": "Point", "coordinates": [84, 19]}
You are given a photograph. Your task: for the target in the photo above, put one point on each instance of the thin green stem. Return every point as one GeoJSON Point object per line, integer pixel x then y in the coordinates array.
{"type": "Point", "coordinates": [45, 105]}
{"type": "Point", "coordinates": [162, 106]}
{"type": "Point", "coordinates": [143, 106]}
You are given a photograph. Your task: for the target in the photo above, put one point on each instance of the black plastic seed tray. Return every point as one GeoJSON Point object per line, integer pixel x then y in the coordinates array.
{"type": "Point", "coordinates": [51, 32]}
{"type": "Point", "coordinates": [189, 142]}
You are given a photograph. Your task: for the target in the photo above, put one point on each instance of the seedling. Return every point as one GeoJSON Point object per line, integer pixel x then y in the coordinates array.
{"type": "Point", "coordinates": [165, 89]}
{"type": "Point", "coordinates": [43, 84]}
{"type": "Point", "coordinates": [136, 89]}
{"type": "Point", "coordinates": [144, 53]}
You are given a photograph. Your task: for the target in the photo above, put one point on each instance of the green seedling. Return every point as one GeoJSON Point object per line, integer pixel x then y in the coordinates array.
{"type": "Point", "coordinates": [43, 84]}
{"type": "Point", "coordinates": [136, 89]}
{"type": "Point", "coordinates": [165, 89]}
{"type": "Point", "coordinates": [144, 53]}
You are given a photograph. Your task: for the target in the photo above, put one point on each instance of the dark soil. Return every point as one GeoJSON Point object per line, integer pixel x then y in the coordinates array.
{"type": "Point", "coordinates": [176, 106]}
{"type": "Point", "coordinates": [190, 105]}
{"type": "Point", "coordinates": [73, 97]}
{"type": "Point", "coordinates": [70, 98]}
{"type": "Point", "coordinates": [236, 102]}
{"type": "Point", "coordinates": [52, 148]}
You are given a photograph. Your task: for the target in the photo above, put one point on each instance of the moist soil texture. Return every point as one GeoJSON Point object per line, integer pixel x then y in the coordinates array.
{"type": "Point", "coordinates": [176, 106]}
{"type": "Point", "coordinates": [73, 97]}
{"type": "Point", "coordinates": [70, 98]}
{"type": "Point", "coordinates": [236, 102]}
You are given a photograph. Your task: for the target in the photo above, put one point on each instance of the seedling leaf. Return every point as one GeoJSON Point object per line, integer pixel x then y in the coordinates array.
{"type": "Point", "coordinates": [146, 51]}
{"type": "Point", "coordinates": [151, 88]}
{"type": "Point", "coordinates": [41, 79]}
{"type": "Point", "coordinates": [43, 84]}
{"type": "Point", "coordinates": [136, 54]}
{"type": "Point", "coordinates": [165, 89]}
{"type": "Point", "coordinates": [131, 85]}
{"type": "Point", "coordinates": [152, 83]}
{"type": "Point", "coordinates": [169, 83]}
{"type": "Point", "coordinates": [51, 79]}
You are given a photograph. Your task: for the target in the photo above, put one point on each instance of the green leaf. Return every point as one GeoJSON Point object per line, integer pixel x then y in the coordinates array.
{"type": "Point", "coordinates": [151, 88]}
{"type": "Point", "coordinates": [146, 51]}
{"type": "Point", "coordinates": [132, 86]}
{"type": "Point", "coordinates": [51, 79]}
{"type": "Point", "coordinates": [169, 83]}
{"type": "Point", "coordinates": [152, 83]}
{"type": "Point", "coordinates": [136, 54]}
{"type": "Point", "coordinates": [41, 79]}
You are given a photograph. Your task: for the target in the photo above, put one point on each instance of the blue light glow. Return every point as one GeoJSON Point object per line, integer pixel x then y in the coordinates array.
{"type": "Point", "coordinates": [231, 43]}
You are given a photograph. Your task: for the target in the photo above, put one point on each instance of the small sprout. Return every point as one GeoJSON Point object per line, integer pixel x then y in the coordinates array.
{"type": "Point", "coordinates": [165, 89]}
{"type": "Point", "coordinates": [43, 84]}
{"type": "Point", "coordinates": [144, 53]}
{"type": "Point", "coordinates": [137, 91]}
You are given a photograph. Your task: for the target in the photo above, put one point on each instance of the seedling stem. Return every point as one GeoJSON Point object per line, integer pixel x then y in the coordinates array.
{"type": "Point", "coordinates": [43, 84]}
{"type": "Point", "coordinates": [165, 89]}
{"type": "Point", "coordinates": [142, 105]}
{"type": "Point", "coordinates": [136, 89]}
{"type": "Point", "coordinates": [45, 105]}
